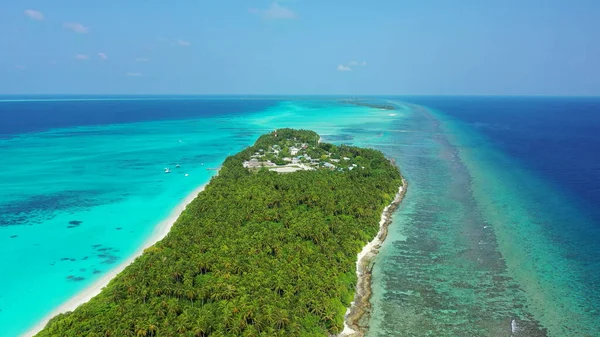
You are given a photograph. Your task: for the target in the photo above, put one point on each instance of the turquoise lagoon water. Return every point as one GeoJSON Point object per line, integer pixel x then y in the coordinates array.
{"type": "Point", "coordinates": [78, 200]}
{"type": "Point", "coordinates": [469, 251]}
{"type": "Point", "coordinates": [482, 245]}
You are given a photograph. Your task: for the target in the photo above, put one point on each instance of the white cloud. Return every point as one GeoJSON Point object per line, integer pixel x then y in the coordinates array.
{"type": "Point", "coordinates": [351, 65]}
{"type": "Point", "coordinates": [33, 14]}
{"type": "Point", "coordinates": [134, 74]}
{"type": "Point", "coordinates": [276, 11]}
{"type": "Point", "coordinates": [81, 57]}
{"type": "Point", "coordinates": [183, 43]}
{"type": "Point", "coordinates": [142, 59]}
{"type": "Point", "coordinates": [103, 56]}
{"type": "Point", "coordinates": [356, 64]}
{"type": "Point", "coordinates": [76, 27]}
{"type": "Point", "coordinates": [170, 41]}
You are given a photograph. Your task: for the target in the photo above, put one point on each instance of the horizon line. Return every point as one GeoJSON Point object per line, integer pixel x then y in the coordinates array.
{"type": "Point", "coordinates": [292, 95]}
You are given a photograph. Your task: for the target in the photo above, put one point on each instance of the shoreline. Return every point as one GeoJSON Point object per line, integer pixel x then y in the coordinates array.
{"type": "Point", "coordinates": [360, 306]}
{"type": "Point", "coordinates": [160, 231]}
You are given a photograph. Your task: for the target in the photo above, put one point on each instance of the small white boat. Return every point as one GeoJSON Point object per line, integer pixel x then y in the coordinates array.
{"type": "Point", "coordinates": [177, 166]}
{"type": "Point", "coordinates": [186, 174]}
{"type": "Point", "coordinates": [167, 170]}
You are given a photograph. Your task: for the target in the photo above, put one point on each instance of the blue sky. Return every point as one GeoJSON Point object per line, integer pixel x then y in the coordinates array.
{"type": "Point", "coordinates": [402, 47]}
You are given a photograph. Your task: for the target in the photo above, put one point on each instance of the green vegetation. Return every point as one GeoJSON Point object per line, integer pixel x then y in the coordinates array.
{"type": "Point", "coordinates": [299, 150]}
{"type": "Point", "coordinates": [256, 254]}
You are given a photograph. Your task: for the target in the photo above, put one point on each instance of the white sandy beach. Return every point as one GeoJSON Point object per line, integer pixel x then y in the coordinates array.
{"type": "Point", "coordinates": [163, 228]}
{"type": "Point", "coordinates": [160, 231]}
{"type": "Point", "coordinates": [365, 255]}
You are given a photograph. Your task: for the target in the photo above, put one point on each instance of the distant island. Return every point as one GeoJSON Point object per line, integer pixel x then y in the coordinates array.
{"type": "Point", "coordinates": [370, 105]}
{"type": "Point", "coordinates": [269, 248]}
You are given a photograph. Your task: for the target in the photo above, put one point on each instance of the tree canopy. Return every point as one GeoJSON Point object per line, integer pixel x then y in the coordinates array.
{"type": "Point", "coordinates": [257, 253]}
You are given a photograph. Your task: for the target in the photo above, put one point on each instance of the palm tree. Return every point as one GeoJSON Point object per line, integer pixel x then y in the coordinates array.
{"type": "Point", "coordinates": [152, 330]}
{"type": "Point", "coordinates": [181, 327]}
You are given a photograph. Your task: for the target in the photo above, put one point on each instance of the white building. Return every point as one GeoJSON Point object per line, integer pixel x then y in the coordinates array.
{"type": "Point", "coordinates": [252, 163]}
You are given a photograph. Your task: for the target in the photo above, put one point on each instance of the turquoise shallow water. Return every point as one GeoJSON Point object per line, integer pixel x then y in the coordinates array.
{"type": "Point", "coordinates": [469, 251]}
{"type": "Point", "coordinates": [81, 200]}
{"type": "Point", "coordinates": [77, 201]}
{"type": "Point", "coordinates": [481, 246]}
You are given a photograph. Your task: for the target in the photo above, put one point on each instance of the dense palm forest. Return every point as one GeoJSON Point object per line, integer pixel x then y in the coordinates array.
{"type": "Point", "coordinates": [256, 254]}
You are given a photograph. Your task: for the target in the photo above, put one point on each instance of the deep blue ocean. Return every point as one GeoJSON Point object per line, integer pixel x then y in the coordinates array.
{"type": "Point", "coordinates": [557, 137]}
{"type": "Point", "coordinates": [498, 234]}
{"type": "Point", "coordinates": [21, 114]}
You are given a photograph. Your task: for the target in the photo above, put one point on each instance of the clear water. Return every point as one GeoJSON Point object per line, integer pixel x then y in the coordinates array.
{"type": "Point", "coordinates": [81, 194]}
{"type": "Point", "coordinates": [483, 237]}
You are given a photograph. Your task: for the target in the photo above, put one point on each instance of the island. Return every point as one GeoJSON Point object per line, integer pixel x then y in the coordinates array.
{"type": "Point", "coordinates": [369, 104]}
{"type": "Point", "coordinates": [271, 247]}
